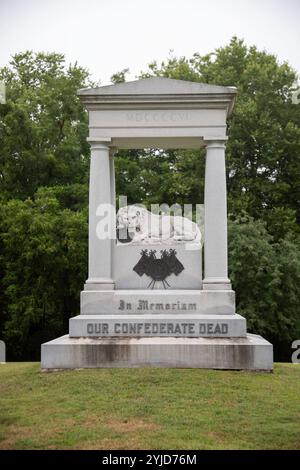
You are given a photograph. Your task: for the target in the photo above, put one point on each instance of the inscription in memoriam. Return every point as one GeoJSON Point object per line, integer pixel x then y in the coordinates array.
{"type": "Point", "coordinates": [145, 305]}
{"type": "Point", "coordinates": [157, 329]}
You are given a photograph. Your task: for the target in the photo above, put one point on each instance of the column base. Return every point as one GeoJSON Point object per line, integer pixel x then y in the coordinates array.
{"type": "Point", "coordinates": [99, 284]}
{"type": "Point", "coordinates": [216, 283]}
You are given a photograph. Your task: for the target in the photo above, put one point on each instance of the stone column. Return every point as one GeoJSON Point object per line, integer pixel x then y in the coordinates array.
{"type": "Point", "coordinates": [215, 207]}
{"type": "Point", "coordinates": [113, 150]}
{"type": "Point", "coordinates": [100, 194]}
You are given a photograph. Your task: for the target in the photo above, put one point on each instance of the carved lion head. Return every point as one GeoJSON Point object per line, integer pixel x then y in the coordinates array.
{"type": "Point", "coordinates": [131, 218]}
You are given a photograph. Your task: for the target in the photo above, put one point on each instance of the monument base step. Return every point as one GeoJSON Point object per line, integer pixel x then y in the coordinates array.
{"type": "Point", "coordinates": [147, 325]}
{"type": "Point", "coordinates": [249, 353]}
{"type": "Point", "coordinates": [178, 301]}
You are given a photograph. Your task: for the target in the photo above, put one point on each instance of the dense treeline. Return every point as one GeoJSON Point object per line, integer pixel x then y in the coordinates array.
{"type": "Point", "coordinates": [44, 186]}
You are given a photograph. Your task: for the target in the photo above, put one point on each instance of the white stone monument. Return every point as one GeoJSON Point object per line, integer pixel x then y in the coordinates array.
{"type": "Point", "coordinates": [2, 352]}
{"type": "Point", "coordinates": [145, 302]}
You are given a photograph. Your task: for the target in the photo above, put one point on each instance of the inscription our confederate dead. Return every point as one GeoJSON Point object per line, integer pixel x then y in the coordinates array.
{"type": "Point", "coordinates": [157, 328]}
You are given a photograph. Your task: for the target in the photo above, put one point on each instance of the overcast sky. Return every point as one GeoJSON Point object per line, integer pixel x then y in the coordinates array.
{"type": "Point", "coordinates": [108, 35]}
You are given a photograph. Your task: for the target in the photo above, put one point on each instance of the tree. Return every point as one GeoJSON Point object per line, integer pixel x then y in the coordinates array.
{"type": "Point", "coordinates": [151, 176]}
{"type": "Point", "coordinates": [266, 277]}
{"type": "Point", "coordinates": [43, 266]}
{"type": "Point", "coordinates": [44, 159]}
{"type": "Point", "coordinates": [43, 126]}
{"type": "Point", "coordinates": [119, 77]}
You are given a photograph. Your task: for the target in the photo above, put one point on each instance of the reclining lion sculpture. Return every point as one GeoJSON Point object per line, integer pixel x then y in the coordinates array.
{"type": "Point", "coordinates": [144, 226]}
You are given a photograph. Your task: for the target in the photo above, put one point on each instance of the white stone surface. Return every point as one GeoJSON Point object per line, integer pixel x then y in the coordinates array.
{"type": "Point", "coordinates": [141, 118]}
{"type": "Point", "coordinates": [158, 86]}
{"type": "Point", "coordinates": [249, 353]}
{"type": "Point", "coordinates": [126, 301]}
{"type": "Point", "coordinates": [187, 325]}
{"type": "Point", "coordinates": [2, 351]}
{"type": "Point", "coordinates": [145, 226]}
{"type": "Point", "coordinates": [158, 112]}
{"type": "Point", "coordinates": [127, 256]}
{"type": "Point", "coordinates": [100, 192]}
{"type": "Point", "coordinates": [215, 203]}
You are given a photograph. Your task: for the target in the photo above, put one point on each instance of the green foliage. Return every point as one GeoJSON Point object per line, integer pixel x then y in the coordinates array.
{"type": "Point", "coordinates": [119, 77]}
{"type": "Point", "coordinates": [156, 176]}
{"type": "Point", "coordinates": [266, 277]}
{"type": "Point", "coordinates": [43, 126]}
{"type": "Point", "coordinates": [43, 266]}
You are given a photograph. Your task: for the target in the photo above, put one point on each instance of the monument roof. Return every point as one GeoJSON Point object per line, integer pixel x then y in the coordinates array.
{"type": "Point", "coordinates": [158, 86]}
{"type": "Point", "coordinates": [158, 92]}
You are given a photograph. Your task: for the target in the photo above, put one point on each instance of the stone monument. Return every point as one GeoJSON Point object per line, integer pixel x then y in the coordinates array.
{"type": "Point", "coordinates": [2, 352]}
{"type": "Point", "coordinates": [146, 302]}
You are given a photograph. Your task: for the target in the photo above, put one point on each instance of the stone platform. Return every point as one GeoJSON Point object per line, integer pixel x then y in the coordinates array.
{"type": "Point", "coordinates": [176, 301]}
{"type": "Point", "coordinates": [138, 325]}
{"type": "Point", "coordinates": [249, 353]}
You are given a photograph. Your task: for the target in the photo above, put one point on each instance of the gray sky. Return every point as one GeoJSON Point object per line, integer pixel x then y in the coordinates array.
{"type": "Point", "coordinates": [108, 35]}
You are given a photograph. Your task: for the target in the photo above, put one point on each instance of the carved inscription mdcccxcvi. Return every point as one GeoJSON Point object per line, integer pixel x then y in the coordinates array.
{"type": "Point", "coordinates": [152, 117]}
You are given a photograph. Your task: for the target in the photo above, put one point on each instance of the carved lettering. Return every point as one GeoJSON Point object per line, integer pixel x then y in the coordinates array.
{"type": "Point", "coordinates": [144, 305]}
{"type": "Point", "coordinates": [149, 117]}
{"type": "Point", "coordinates": [157, 328]}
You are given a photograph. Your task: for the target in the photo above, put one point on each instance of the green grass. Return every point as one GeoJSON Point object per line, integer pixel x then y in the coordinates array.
{"type": "Point", "coordinates": [149, 408]}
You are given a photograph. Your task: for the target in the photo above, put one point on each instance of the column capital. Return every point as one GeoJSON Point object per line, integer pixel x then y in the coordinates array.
{"type": "Point", "coordinates": [215, 143]}
{"type": "Point", "coordinates": [99, 144]}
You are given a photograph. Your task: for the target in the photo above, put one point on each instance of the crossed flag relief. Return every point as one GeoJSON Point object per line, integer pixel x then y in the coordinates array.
{"type": "Point", "coordinates": [158, 268]}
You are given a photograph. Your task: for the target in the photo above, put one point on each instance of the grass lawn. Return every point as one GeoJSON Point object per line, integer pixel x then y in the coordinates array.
{"type": "Point", "coordinates": [149, 408]}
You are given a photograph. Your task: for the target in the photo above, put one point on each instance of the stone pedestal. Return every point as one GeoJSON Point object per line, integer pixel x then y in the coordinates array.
{"type": "Point", "coordinates": [128, 301]}
{"type": "Point", "coordinates": [158, 328]}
